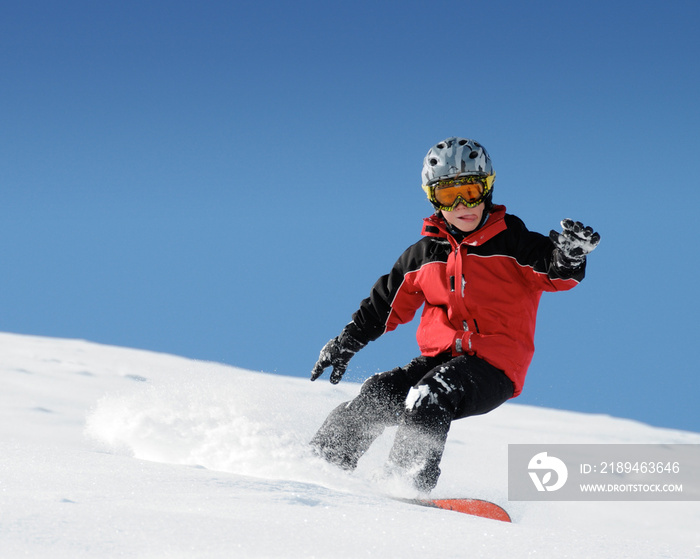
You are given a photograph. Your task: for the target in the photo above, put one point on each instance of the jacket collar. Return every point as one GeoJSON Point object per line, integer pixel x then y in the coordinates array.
{"type": "Point", "coordinates": [434, 226]}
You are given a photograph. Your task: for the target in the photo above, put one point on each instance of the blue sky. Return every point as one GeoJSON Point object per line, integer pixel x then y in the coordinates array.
{"type": "Point", "coordinates": [226, 180]}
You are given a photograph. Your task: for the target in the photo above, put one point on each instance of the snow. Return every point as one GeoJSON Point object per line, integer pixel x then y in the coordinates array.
{"type": "Point", "coordinates": [110, 452]}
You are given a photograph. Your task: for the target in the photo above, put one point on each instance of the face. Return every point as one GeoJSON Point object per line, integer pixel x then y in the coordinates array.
{"type": "Point", "coordinates": [463, 218]}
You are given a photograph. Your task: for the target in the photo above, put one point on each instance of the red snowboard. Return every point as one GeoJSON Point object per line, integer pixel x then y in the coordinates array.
{"type": "Point", "coordinates": [475, 507]}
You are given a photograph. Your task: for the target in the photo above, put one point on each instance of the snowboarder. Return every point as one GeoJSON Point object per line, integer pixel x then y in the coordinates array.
{"type": "Point", "coordinates": [479, 273]}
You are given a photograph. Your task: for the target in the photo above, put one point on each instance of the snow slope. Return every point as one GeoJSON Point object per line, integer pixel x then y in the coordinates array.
{"type": "Point", "coordinates": [108, 452]}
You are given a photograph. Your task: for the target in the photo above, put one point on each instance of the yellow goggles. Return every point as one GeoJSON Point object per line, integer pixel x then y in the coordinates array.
{"type": "Point", "coordinates": [470, 190]}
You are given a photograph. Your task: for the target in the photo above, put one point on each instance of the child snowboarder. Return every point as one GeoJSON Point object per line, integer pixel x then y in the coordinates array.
{"type": "Point", "coordinates": [479, 273]}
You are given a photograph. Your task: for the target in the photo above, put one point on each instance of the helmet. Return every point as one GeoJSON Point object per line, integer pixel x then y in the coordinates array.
{"type": "Point", "coordinates": [456, 157]}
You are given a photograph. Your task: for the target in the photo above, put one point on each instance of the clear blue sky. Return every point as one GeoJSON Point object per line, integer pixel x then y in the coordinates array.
{"type": "Point", "coordinates": [226, 180]}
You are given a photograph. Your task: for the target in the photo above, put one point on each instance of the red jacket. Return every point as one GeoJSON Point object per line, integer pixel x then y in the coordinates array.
{"type": "Point", "coordinates": [480, 295]}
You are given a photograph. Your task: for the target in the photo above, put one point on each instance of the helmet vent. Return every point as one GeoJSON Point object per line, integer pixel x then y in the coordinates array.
{"type": "Point", "coordinates": [433, 162]}
{"type": "Point", "coordinates": [474, 154]}
{"type": "Point", "coordinates": [463, 142]}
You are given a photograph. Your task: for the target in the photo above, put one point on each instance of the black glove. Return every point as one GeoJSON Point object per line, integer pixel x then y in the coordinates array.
{"type": "Point", "coordinates": [337, 354]}
{"type": "Point", "coordinates": [573, 244]}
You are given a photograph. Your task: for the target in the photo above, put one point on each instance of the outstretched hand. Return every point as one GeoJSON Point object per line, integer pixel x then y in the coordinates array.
{"type": "Point", "coordinates": [575, 241]}
{"type": "Point", "coordinates": [337, 354]}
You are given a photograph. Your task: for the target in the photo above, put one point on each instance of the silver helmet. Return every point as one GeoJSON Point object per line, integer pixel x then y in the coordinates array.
{"type": "Point", "coordinates": [455, 157]}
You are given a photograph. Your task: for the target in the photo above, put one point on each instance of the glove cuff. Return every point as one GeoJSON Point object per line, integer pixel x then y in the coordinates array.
{"type": "Point", "coordinates": [348, 338]}
{"type": "Point", "coordinates": [565, 263]}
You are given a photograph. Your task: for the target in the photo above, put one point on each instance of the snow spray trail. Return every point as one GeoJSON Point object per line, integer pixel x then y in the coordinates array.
{"type": "Point", "coordinates": [242, 423]}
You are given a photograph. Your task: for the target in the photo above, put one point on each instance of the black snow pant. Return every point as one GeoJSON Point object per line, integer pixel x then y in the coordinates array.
{"type": "Point", "coordinates": [422, 398]}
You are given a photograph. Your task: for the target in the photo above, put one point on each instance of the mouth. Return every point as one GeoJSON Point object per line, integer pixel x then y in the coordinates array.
{"type": "Point", "coordinates": [469, 218]}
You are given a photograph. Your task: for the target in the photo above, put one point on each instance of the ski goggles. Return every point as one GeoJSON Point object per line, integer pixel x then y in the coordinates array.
{"type": "Point", "coordinates": [470, 190]}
